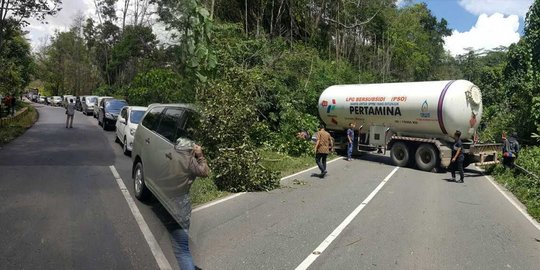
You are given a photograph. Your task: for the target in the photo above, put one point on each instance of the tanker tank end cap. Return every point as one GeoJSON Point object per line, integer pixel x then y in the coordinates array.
{"type": "Point", "coordinates": [474, 95]}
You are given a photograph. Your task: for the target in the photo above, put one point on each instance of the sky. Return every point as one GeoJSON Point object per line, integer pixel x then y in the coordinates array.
{"type": "Point", "coordinates": [477, 24]}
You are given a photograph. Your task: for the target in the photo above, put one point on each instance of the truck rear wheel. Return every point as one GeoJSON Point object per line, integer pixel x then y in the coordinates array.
{"type": "Point", "coordinates": [399, 154]}
{"type": "Point", "coordinates": [426, 157]}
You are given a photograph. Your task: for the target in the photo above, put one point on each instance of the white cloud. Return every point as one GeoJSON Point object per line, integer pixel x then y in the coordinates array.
{"type": "Point", "coordinates": [39, 32]}
{"type": "Point", "coordinates": [507, 7]}
{"type": "Point", "coordinates": [489, 32]}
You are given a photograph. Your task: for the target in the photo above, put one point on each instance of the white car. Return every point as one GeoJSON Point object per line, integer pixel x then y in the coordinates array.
{"type": "Point", "coordinates": [57, 101]}
{"type": "Point", "coordinates": [88, 103]}
{"type": "Point", "coordinates": [66, 99]}
{"type": "Point", "coordinates": [126, 125]}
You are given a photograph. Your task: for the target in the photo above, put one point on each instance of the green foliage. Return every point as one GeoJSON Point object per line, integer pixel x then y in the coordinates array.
{"type": "Point", "coordinates": [229, 118]}
{"type": "Point", "coordinates": [130, 53]}
{"type": "Point", "coordinates": [524, 186]}
{"type": "Point", "coordinates": [159, 86]}
{"type": "Point", "coordinates": [16, 63]}
{"type": "Point", "coordinates": [15, 129]}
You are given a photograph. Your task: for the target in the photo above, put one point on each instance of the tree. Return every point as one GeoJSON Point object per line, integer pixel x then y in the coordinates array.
{"type": "Point", "coordinates": [522, 75]}
{"type": "Point", "coordinates": [16, 63]}
{"type": "Point", "coordinates": [14, 13]}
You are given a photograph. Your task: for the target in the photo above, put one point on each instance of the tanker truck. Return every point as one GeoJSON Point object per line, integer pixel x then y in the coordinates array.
{"type": "Point", "coordinates": [415, 121]}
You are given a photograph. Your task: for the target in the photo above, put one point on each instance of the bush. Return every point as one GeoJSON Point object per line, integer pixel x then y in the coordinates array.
{"type": "Point", "coordinates": [525, 187]}
{"type": "Point", "coordinates": [228, 129]}
{"type": "Point", "coordinates": [239, 169]}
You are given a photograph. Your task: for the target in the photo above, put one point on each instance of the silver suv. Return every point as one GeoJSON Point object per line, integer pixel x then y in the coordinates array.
{"type": "Point", "coordinates": [163, 140]}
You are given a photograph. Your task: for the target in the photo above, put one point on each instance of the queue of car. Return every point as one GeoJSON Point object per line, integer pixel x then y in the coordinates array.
{"type": "Point", "coordinates": [157, 137]}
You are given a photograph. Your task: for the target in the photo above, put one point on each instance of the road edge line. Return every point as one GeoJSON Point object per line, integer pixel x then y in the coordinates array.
{"type": "Point", "coordinates": [218, 201]}
{"type": "Point", "coordinates": [159, 256]}
{"type": "Point", "coordinates": [308, 169]}
{"type": "Point", "coordinates": [513, 202]}
{"type": "Point", "coordinates": [339, 229]}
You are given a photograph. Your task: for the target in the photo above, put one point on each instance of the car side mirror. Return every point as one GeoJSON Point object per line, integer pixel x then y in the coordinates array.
{"type": "Point", "coordinates": [123, 121]}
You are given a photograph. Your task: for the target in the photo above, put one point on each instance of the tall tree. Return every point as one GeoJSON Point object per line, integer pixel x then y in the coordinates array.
{"type": "Point", "coordinates": [15, 13]}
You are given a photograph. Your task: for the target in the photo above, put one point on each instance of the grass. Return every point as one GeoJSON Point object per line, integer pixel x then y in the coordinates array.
{"type": "Point", "coordinates": [525, 187]}
{"type": "Point", "coordinates": [204, 190]}
{"type": "Point", "coordinates": [285, 164]}
{"type": "Point", "coordinates": [15, 129]}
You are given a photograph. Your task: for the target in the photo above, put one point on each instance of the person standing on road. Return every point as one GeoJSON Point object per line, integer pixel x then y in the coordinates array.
{"type": "Point", "coordinates": [350, 142]}
{"type": "Point", "coordinates": [323, 147]}
{"type": "Point", "coordinates": [457, 158]}
{"type": "Point", "coordinates": [70, 112]}
{"type": "Point", "coordinates": [196, 166]}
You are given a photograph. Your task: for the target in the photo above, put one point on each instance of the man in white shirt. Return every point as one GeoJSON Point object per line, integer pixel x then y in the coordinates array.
{"type": "Point", "coordinates": [70, 112]}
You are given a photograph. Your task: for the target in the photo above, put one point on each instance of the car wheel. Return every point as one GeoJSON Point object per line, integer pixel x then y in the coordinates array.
{"type": "Point", "coordinates": [124, 146]}
{"type": "Point", "coordinates": [141, 191]}
{"type": "Point", "coordinates": [116, 139]}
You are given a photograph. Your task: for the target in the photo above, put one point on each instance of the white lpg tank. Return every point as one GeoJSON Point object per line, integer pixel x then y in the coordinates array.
{"type": "Point", "coordinates": [420, 109]}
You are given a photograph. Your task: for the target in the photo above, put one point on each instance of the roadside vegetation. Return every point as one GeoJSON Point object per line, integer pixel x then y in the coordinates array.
{"type": "Point", "coordinates": [256, 69]}
{"type": "Point", "coordinates": [524, 186]}
{"type": "Point", "coordinates": [17, 128]}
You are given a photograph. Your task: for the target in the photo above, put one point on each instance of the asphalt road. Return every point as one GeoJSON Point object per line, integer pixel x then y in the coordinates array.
{"type": "Point", "coordinates": [61, 208]}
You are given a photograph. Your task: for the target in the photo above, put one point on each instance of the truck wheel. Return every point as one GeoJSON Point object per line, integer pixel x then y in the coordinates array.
{"type": "Point", "coordinates": [399, 154]}
{"type": "Point", "coordinates": [426, 157]}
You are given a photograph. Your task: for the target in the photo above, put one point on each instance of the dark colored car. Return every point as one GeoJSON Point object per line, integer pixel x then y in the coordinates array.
{"type": "Point", "coordinates": [108, 112]}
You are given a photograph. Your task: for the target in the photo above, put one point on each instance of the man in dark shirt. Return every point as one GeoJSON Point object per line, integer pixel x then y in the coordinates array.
{"type": "Point", "coordinates": [350, 141]}
{"type": "Point", "coordinates": [457, 158]}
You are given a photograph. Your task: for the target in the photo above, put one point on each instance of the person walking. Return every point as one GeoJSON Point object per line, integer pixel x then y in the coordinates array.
{"type": "Point", "coordinates": [12, 104]}
{"type": "Point", "coordinates": [350, 142]}
{"type": "Point", "coordinates": [70, 112]}
{"type": "Point", "coordinates": [323, 147]}
{"type": "Point", "coordinates": [457, 158]}
{"type": "Point", "coordinates": [510, 150]}
{"type": "Point", "coordinates": [196, 166]}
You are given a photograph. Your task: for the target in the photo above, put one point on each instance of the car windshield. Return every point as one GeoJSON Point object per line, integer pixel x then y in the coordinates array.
{"type": "Point", "coordinates": [135, 116]}
{"type": "Point", "coordinates": [91, 100]}
{"type": "Point", "coordinates": [115, 105]}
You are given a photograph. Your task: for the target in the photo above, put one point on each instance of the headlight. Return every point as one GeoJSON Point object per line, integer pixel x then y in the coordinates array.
{"type": "Point", "coordinates": [132, 131]}
{"type": "Point", "coordinates": [108, 115]}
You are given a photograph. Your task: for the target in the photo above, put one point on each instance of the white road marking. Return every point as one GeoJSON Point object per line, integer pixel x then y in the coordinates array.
{"type": "Point", "coordinates": [217, 201]}
{"type": "Point", "coordinates": [204, 206]}
{"type": "Point", "coordinates": [514, 203]}
{"type": "Point", "coordinates": [320, 249]}
{"type": "Point", "coordinates": [161, 260]}
{"type": "Point", "coordinates": [309, 169]}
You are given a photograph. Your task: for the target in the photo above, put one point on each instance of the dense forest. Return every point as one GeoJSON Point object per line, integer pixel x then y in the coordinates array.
{"type": "Point", "coordinates": [256, 68]}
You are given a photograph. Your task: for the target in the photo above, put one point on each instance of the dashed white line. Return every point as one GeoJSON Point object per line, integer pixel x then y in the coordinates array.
{"type": "Point", "coordinates": [320, 249]}
{"type": "Point", "coordinates": [161, 260]}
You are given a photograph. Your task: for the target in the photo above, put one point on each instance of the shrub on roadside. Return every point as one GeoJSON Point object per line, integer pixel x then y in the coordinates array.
{"type": "Point", "coordinates": [229, 130]}
{"type": "Point", "coordinates": [525, 187]}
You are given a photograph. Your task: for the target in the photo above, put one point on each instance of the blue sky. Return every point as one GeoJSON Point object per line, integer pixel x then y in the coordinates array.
{"type": "Point", "coordinates": [457, 16]}
{"type": "Point", "coordinates": [479, 24]}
